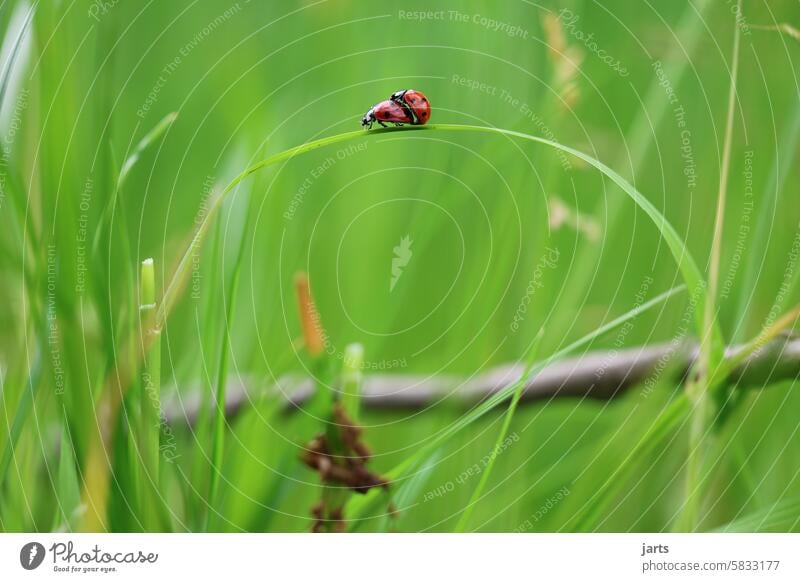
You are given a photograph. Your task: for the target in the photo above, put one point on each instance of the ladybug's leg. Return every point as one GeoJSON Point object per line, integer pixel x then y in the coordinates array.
{"type": "Point", "coordinates": [382, 123]}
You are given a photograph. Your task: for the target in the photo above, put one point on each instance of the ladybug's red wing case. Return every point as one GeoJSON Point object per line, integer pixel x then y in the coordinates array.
{"type": "Point", "coordinates": [392, 112]}
{"type": "Point", "coordinates": [419, 105]}
{"type": "Point", "coordinates": [387, 112]}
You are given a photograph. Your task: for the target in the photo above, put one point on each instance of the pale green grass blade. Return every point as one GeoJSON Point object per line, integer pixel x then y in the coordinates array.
{"type": "Point", "coordinates": [219, 421]}
{"type": "Point", "coordinates": [149, 422]}
{"type": "Point", "coordinates": [691, 274]}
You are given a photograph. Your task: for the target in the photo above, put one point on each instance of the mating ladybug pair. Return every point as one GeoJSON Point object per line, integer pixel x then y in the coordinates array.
{"type": "Point", "coordinates": [403, 107]}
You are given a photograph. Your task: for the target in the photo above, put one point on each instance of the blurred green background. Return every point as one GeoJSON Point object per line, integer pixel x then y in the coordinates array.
{"type": "Point", "coordinates": [641, 87]}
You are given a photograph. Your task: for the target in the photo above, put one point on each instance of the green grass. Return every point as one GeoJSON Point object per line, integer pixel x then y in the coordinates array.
{"type": "Point", "coordinates": [247, 166]}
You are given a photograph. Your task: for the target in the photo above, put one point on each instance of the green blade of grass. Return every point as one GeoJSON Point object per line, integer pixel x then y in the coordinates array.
{"type": "Point", "coordinates": [5, 76]}
{"type": "Point", "coordinates": [219, 422]}
{"type": "Point", "coordinates": [688, 267]}
{"type": "Point", "coordinates": [202, 433]}
{"type": "Point", "coordinates": [149, 425]}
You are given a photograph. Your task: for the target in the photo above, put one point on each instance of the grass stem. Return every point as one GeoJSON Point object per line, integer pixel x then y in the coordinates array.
{"type": "Point", "coordinates": [150, 400]}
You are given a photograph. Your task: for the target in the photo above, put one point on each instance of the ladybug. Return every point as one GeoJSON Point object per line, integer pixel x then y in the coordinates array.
{"type": "Point", "coordinates": [408, 106]}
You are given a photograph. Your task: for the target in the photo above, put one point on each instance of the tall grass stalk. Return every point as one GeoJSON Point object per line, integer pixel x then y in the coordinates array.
{"type": "Point", "coordinates": [219, 422]}
{"type": "Point", "coordinates": [640, 139]}
{"type": "Point", "coordinates": [150, 399]}
{"type": "Point", "coordinates": [703, 407]}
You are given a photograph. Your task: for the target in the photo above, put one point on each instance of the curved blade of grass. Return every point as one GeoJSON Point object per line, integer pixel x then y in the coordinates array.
{"type": "Point", "coordinates": [512, 408]}
{"type": "Point", "coordinates": [691, 274]}
{"type": "Point", "coordinates": [711, 355]}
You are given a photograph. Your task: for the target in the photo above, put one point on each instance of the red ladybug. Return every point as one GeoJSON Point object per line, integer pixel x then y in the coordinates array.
{"type": "Point", "coordinates": [408, 106]}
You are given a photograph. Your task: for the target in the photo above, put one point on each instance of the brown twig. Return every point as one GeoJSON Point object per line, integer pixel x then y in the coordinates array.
{"type": "Point", "coordinates": [595, 375]}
